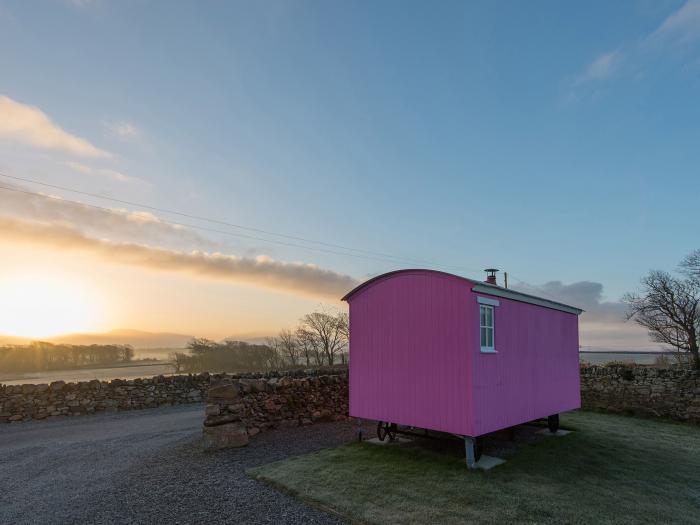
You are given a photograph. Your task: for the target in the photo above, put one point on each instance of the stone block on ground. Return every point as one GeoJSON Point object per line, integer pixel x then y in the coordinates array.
{"type": "Point", "coordinates": [213, 410]}
{"type": "Point", "coordinates": [223, 419]}
{"type": "Point", "coordinates": [488, 462]}
{"type": "Point", "coordinates": [229, 435]}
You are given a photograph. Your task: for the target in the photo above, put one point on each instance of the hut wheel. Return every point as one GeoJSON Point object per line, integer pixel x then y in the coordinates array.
{"type": "Point", "coordinates": [385, 429]}
{"type": "Point", "coordinates": [553, 423]}
{"type": "Point", "coordinates": [381, 431]}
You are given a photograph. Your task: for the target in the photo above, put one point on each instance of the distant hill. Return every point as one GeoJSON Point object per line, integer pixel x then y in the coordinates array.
{"type": "Point", "coordinates": [122, 336]}
{"type": "Point", "coordinates": [12, 340]}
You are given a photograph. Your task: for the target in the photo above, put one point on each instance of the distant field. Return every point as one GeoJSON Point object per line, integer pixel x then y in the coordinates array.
{"type": "Point", "coordinates": [126, 371]}
{"type": "Point", "coordinates": [163, 368]}
{"type": "Point", "coordinates": [88, 374]}
{"type": "Point", "coordinates": [641, 358]}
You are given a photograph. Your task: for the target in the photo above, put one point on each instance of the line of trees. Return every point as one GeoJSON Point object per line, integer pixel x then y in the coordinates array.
{"type": "Point", "coordinates": [229, 356]}
{"type": "Point", "coordinates": [321, 338]}
{"type": "Point", "coordinates": [39, 356]}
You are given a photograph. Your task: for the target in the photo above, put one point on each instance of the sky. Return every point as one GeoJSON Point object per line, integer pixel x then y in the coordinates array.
{"type": "Point", "coordinates": [556, 141]}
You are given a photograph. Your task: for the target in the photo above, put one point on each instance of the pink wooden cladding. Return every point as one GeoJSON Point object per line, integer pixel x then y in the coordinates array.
{"type": "Point", "coordinates": [415, 357]}
{"type": "Point", "coordinates": [409, 353]}
{"type": "Point", "coordinates": [535, 372]}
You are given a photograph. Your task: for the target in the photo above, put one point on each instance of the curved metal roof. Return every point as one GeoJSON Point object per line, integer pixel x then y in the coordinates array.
{"type": "Point", "coordinates": [479, 287]}
{"type": "Point", "coordinates": [388, 274]}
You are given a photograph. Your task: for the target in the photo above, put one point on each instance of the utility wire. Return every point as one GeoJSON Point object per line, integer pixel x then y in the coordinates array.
{"type": "Point", "coordinates": [174, 223]}
{"type": "Point", "coordinates": [379, 256]}
{"type": "Point", "coordinates": [511, 276]}
{"type": "Point", "coordinates": [233, 225]}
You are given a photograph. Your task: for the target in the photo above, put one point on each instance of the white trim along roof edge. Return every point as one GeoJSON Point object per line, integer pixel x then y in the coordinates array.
{"type": "Point", "coordinates": [507, 293]}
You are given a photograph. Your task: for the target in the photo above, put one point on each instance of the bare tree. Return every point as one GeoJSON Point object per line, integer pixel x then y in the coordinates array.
{"type": "Point", "coordinates": [200, 345]}
{"type": "Point", "coordinates": [288, 346]}
{"type": "Point", "coordinates": [326, 333]}
{"type": "Point", "coordinates": [178, 361]}
{"type": "Point", "coordinates": [127, 353]}
{"type": "Point", "coordinates": [308, 346]}
{"type": "Point", "coordinates": [669, 307]}
{"type": "Point", "coordinates": [690, 266]}
{"type": "Point", "coordinates": [275, 360]}
{"type": "Point", "coordinates": [344, 329]}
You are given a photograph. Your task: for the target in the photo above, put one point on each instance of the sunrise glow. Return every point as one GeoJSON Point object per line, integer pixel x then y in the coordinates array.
{"type": "Point", "coordinates": [36, 306]}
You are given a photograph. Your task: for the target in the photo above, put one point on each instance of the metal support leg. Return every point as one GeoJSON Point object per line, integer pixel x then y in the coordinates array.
{"type": "Point", "coordinates": [359, 429]}
{"type": "Point", "coordinates": [469, 449]}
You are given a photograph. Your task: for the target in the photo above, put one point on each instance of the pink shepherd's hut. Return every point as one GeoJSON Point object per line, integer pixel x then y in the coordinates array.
{"type": "Point", "coordinates": [441, 352]}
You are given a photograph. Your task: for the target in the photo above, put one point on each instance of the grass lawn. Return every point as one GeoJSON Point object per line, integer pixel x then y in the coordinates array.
{"type": "Point", "coordinates": [612, 469]}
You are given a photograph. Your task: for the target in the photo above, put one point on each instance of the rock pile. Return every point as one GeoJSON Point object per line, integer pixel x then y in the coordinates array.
{"type": "Point", "coordinates": [657, 392]}
{"type": "Point", "coordinates": [240, 408]}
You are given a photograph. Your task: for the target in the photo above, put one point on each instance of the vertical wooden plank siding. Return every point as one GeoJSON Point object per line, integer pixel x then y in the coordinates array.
{"type": "Point", "coordinates": [415, 357]}
{"type": "Point", "coordinates": [535, 370]}
{"type": "Point", "coordinates": [411, 351]}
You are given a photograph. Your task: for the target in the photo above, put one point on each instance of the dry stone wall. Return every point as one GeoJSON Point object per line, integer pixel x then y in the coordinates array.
{"type": "Point", "coordinates": [653, 392]}
{"type": "Point", "coordinates": [27, 402]}
{"type": "Point", "coordinates": [252, 403]}
{"type": "Point", "coordinates": [238, 409]}
{"type": "Point", "coordinates": [59, 399]}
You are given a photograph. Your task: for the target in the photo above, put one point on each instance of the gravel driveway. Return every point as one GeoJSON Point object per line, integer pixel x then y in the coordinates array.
{"type": "Point", "coordinates": [147, 467]}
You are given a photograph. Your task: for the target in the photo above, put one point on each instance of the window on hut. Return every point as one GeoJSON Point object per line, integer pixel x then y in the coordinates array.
{"type": "Point", "coordinates": [486, 327]}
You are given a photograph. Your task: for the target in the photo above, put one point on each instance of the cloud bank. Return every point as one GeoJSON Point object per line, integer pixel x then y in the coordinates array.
{"type": "Point", "coordinates": [31, 126]}
{"type": "Point", "coordinates": [603, 323]}
{"type": "Point", "coordinates": [261, 271]}
{"type": "Point", "coordinates": [680, 26]}
{"type": "Point", "coordinates": [114, 223]}
{"type": "Point", "coordinates": [587, 295]}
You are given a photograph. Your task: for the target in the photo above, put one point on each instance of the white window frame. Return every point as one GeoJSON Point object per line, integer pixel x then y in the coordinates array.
{"type": "Point", "coordinates": [487, 304]}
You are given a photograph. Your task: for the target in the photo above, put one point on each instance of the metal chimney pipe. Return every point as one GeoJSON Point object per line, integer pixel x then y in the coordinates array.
{"type": "Point", "coordinates": [491, 275]}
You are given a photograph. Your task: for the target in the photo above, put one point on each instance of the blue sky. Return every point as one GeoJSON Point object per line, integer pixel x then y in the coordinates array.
{"type": "Point", "coordinates": [554, 140]}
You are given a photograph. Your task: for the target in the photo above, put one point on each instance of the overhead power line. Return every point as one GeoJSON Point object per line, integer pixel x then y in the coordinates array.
{"type": "Point", "coordinates": [174, 223]}
{"type": "Point", "coordinates": [363, 254]}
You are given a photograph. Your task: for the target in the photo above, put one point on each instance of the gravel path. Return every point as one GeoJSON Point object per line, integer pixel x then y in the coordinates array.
{"type": "Point", "coordinates": [147, 467]}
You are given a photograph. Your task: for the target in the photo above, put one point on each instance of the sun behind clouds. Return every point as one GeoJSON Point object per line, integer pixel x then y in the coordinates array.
{"type": "Point", "coordinates": [36, 306]}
